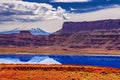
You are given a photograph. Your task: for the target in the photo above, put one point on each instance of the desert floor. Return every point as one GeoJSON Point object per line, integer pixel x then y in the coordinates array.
{"type": "Point", "coordinates": [56, 50]}
{"type": "Point", "coordinates": [57, 72]}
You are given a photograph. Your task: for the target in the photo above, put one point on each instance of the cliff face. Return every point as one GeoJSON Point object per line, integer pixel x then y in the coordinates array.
{"type": "Point", "coordinates": [103, 34]}
{"type": "Point", "coordinates": [89, 26]}
{"type": "Point", "coordinates": [96, 34]}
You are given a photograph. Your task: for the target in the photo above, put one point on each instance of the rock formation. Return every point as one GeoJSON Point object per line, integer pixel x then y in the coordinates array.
{"type": "Point", "coordinates": [95, 34]}
{"type": "Point", "coordinates": [90, 26]}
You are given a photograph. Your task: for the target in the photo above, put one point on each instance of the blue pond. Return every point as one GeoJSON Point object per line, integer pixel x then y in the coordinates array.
{"type": "Point", "coordinates": [96, 60]}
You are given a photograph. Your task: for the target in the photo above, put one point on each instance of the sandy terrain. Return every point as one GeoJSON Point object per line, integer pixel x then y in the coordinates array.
{"type": "Point", "coordinates": [56, 50]}
{"type": "Point", "coordinates": [57, 72]}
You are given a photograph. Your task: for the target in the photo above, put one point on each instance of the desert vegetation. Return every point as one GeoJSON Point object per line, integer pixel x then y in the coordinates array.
{"type": "Point", "coordinates": [57, 72]}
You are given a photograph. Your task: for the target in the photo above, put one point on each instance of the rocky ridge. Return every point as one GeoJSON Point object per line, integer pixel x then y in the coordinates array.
{"type": "Point", "coordinates": [104, 34]}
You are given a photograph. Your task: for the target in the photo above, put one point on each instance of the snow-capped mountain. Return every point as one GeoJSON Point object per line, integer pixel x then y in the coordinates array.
{"type": "Point", "coordinates": [33, 31]}
{"type": "Point", "coordinates": [17, 10]}
{"type": "Point", "coordinates": [16, 30]}
{"type": "Point", "coordinates": [38, 31]}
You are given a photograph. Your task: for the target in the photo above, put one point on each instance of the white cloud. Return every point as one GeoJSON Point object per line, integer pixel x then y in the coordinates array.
{"type": "Point", "coordinates": [16, 10]}
{"type": "Point", "coordinates": [71, 0]}
{"type": "Point", "coordinates": [54, 25]}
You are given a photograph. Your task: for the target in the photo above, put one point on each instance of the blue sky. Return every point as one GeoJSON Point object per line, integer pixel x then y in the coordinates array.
{"type": "Point", "coordinates": [94, 1]}
{"type": "Point", "coordinates": [80, 6]}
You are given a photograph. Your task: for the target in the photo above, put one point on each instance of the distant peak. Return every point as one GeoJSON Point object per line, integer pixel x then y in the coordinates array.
{"type": "Point", "coordinates": [33, 31]}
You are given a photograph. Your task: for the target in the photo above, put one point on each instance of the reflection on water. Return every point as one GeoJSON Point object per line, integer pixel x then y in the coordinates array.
{"type": "Point", "coordinates": [101, 60]}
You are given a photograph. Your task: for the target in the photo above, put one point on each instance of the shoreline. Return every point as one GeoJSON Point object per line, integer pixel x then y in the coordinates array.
{"type": "Point", "coordinates": [54, 65]}
{"type": "Point", "coordinates": [57, 50]}
{"type": "Point", "coordinates": [58, 54]}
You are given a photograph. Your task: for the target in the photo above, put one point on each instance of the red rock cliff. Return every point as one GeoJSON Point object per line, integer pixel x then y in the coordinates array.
{"type": "Point", "coordinates": [89, 26]}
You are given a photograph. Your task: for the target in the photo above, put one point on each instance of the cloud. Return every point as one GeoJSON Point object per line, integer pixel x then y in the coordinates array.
{"type": "Point", "coordinates": [54, 25]}
{"type": "Point", "coordinates": [17, 10]}
{"type": "Point", "coordinates": [71, 0]}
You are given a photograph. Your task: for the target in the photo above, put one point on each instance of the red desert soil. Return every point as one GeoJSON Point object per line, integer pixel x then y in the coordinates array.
{"type": "Point", "coordinates": [57, 72]}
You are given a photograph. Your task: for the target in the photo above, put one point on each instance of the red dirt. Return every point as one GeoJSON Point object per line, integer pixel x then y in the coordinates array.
{"type": "Point", "coordinates": [57, 72]}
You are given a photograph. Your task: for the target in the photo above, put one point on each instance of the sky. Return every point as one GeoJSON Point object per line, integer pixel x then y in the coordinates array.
{"type": "Point", "coordinates": [49, 15]}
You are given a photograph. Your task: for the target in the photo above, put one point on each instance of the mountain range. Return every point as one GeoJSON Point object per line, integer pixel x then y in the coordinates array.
{"type": "Point", "coordinates": [33, 31]}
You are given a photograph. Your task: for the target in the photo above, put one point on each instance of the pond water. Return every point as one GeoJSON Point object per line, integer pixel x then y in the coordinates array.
{"type": "Point", "coordinates": [95, 60]}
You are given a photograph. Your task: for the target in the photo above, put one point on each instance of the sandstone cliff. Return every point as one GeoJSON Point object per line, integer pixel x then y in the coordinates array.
{"type": "Point", "coordinates": [104, 34]}
{"type": "Point", "coordinates": [90, 26]}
